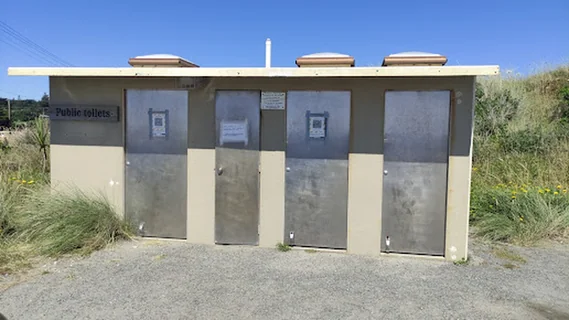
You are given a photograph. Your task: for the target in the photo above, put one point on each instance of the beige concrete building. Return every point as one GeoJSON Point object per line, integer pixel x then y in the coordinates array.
{"type": "Point", "coordinates": [369, 160]}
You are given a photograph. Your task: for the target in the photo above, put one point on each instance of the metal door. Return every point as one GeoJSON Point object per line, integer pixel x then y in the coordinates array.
{"type": "Point", "coordinates": [237, 167]}
{"type": "Point", "coordinates": [416, 135]}
{"type": "Point", "coordinates": [156, 161]}
{"type": "Point", "coordinates": [318, 134]}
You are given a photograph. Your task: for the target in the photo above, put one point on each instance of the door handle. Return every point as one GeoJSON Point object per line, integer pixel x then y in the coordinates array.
{"type": "Point", "coordinates": [287, 169]}
{"type": "Point", "coordinates": [128, 163]}
{"type": "Point", "coordinates": [219, 171]}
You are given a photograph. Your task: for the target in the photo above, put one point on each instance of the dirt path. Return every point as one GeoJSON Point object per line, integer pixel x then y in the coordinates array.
{"type": "Point", "coordinates": [176, 280]}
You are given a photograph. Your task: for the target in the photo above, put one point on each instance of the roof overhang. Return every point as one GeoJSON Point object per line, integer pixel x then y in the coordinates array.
{"type": "Point", "coordinates": [356, 72]}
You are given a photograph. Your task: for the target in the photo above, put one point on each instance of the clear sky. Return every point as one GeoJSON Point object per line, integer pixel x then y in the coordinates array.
{"type": "Point", "coordinates": [516, 34]}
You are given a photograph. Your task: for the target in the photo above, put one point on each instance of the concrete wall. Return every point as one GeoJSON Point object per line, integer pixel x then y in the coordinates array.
{"type": "Point", "coordinates": [99, 147]}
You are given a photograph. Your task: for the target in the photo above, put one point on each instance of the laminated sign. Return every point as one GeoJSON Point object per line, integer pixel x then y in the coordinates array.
{"type": "Point", "coordinates": [317, 124]}
{"type": "Point", "coordinates": [234, 131]}
{"type": "Point", "coordinates": [273, 100]}
{"type": "Point", "coordinates": [158, 123]}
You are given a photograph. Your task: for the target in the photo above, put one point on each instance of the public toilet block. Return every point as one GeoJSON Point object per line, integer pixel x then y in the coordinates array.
{"type": "Point", "coordinates": [369, 160]}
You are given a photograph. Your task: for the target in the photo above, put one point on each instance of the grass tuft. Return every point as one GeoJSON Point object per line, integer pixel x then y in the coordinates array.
{"type": "Point", "coordinates": [521, 215]}
{"type": "Point", "coordinates": [37, 221]}
{"type": "Point", "coordinates": [506, 254]}
{"type": "Point", "coordinates": [510, 266]}
{"type": "Point", "coordinates": [62, 223]}
{"type": "Point", "coordinates": [13, 256]}
{"type": "Point", "coordinates": [283, 247]}
{"type": "Point", "coordinates": [461, 262]}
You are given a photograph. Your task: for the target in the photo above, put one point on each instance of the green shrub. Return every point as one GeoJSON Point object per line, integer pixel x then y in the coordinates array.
{"type": "Point", "coordinates": [520, 214]}
{"type": "Point", "coordinates": [528, 140]}
{"type": "Point", "coordinates": [562, 112]}
{"type": "Point", "coordinates": [73, 222]}
{"type": "Point", "coordinates": [495, 107]}
{"type": "Point", "coordinates": [7, 202]}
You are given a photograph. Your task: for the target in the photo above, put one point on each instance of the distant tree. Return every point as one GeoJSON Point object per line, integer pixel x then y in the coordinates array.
{"type": "Point", "coordinates": [44, 103]}
{"type": "Point", "coordinates": [23, 111]}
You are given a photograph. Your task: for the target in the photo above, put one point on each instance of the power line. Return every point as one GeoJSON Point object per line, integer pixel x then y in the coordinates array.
{"type": "Point", "coordinates": [31, 44]}
{"type": "Point", "coordinates": [8, 92]}
{"type": "Point", "coordinates": [41, 50]}
{"type": "Point", "coordinates": [27, 51]}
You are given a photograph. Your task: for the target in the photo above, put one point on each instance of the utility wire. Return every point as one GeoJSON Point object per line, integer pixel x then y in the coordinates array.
{"type": "Point", "coordinates": [41, 50]}
{"type": "Point", "coordinates": [28, 52]}
{"type": "Point", "coordinates": [34, 46]}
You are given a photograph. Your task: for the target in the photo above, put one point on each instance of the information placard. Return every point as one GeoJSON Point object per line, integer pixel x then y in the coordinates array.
{"type": "Point", "coordinates": [271, 100]}
{"type": "Point", "coordinates": [234, 131]}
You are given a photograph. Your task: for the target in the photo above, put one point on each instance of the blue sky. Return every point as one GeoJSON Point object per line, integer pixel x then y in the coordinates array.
{"type": "Point", "coordinates": [520, 35]}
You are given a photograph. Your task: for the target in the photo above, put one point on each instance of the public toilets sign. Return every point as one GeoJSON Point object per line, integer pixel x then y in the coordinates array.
{"type": "Point", "coordinates": [84, 113]}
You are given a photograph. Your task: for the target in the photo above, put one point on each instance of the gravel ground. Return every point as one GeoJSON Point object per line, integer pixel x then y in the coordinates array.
{"type": "Point", "coordinates": [176, 280]}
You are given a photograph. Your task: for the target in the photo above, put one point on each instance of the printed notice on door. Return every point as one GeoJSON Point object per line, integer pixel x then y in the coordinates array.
{"type": "Point", "coordinates": [271, 100]}
{"type": "Point", "coordinates": [234, 131]}
{"type": "Point", "coordinates": [159, 124]}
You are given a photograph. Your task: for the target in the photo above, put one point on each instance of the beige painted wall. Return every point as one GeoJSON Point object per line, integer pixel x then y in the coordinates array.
{"type": "Point", "coordinates": [78, 142]}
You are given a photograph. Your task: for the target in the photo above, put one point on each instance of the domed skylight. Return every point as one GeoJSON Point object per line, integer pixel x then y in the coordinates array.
{"type": "Point", "coordinates": [326, 55]}
{"type": "Point", "coordinates": [415, 54]}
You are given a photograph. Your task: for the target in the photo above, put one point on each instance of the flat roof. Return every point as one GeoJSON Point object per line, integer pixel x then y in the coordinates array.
{"type": "Point", "coordinates": [358, 72]}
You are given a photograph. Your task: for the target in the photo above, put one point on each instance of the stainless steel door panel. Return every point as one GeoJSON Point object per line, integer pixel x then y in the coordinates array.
{"type": "Point", "coordinates": [155, 196]}
{"type": "Point", "coordinates": [317, 169]}
{"type": "Point", "coordinates": [156, 167]}
{"type": "Point", "coordinates": [237, 167]}
{"type": "Point", "coordinates": [316, 203]}
{"type": "Point", "coordinates": [415, 168]}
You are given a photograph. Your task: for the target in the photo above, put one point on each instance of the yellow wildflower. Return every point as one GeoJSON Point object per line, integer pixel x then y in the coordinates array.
{"type": "Point", "coordinates": [474, 169]}
{"type": "Point", "coordinates": [513, 197]}
{"type": "Point", "coordinates": [556, 193]}
{"type": "Point", "coordinates": [524, 190]}
{"type": "Point", "coordinates": [514, 193]}
{"type": "Point", "coordinates": [547, 189]}
{"type": "Point", "coordinates": [540, 191]}
{"type": "Point", "coordinates": [559, 186]}
{"type": "Point", "coordinates": [564, 190]}
{"type": "Point", "coordinates": [31, 181]}
{"type": "Point", "coordinates": [521, 218]}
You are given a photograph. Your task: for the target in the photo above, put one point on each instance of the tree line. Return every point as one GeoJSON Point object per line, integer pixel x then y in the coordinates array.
{"type": "Point", "coordinates": [22, 111]}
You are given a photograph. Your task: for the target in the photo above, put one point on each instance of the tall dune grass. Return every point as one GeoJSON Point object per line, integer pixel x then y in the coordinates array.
{"type": "Point", "coordinates": [34, 220]}
{"type": "Point", "coordinates": [521, 139]}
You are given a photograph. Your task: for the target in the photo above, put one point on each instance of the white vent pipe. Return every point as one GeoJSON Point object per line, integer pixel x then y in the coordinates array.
{"type": "Point", "coordinates": [268, 53]}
